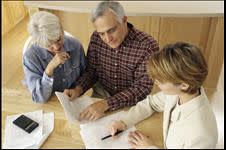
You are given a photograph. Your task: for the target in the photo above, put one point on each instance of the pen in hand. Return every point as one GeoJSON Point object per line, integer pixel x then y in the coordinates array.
{"type": "Point", "coordinates": [119, 131]}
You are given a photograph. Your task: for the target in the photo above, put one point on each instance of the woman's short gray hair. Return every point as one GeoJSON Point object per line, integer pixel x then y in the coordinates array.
{"type": "Point", "coordinates": [44, 28]}
{"type": "Point", "coordinates": [113, 6]}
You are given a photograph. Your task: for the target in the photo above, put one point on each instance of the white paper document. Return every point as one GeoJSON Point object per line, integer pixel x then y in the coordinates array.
{"type": "Point", "coordinates": [73, 108]}
{"type": "Point", "coordinates": [92, 133]}
{"type": "Point", "coordinates": [16, 138]}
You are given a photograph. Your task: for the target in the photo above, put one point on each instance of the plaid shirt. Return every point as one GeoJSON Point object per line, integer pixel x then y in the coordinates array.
{"type": "Point", "coordinates": [121, 71]}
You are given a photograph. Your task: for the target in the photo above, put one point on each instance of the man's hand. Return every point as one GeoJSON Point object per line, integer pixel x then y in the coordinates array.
{"type": "Point", "coordinates": [138, 140]}
{"type": "Point", "coordinates": [94, 111]}
{"type": "Point", "coordinates": [73, 93]}
{"type": "Point", "coordinates": [58, 59]}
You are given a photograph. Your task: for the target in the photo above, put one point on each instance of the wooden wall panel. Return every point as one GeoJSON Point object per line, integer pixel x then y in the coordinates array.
{"type": "Point", "coordinates": [193, 30]}
{"type": "Point", "coordinates": [147, 24]}
{"type": "Point", "coordinates": [215, 51]}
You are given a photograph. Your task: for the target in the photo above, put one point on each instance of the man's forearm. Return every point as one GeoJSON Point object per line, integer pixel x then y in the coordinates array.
{"type": "Point", "coordinates": [128, 97]}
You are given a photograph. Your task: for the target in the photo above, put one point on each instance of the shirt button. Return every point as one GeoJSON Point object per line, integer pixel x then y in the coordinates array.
{"type": "Point", "coordinates": [63, 80]}
{"type": "Point", "coordinates": [116, 51]}
{"type": "Point", "coordinates": [115, 87]}
{"type": "Point", "coordinates": [115, 76]}
{"type": "Point", "coordinates": [116, 64]}
{"type": "Point", "coordinates": [60, 66]}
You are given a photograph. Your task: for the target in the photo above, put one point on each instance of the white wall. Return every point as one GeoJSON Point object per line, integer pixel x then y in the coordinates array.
{"type": "Point", "coordinates": [220, 85]}
{"type": "Point", "coordinates": [217, 104]}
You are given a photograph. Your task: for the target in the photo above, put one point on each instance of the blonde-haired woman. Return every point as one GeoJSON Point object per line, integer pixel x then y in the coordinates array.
{"type": "Point", "coordinates": [54, 61]}
{"type": "Point", "coordinates": [188, 121]}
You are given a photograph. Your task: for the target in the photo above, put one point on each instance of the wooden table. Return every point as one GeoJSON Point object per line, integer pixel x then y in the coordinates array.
{"type": "Point", "coordinates": [65, 134]}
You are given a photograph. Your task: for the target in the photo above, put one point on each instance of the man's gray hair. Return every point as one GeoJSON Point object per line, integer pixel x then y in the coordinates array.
{"type": "Point", "coordinates": [44, 28]}
{"type": "Point", "coordinates": [113, 6]}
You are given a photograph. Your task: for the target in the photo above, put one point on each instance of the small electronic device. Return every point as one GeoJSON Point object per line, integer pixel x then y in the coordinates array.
{"type": "Point", "coordinates": [25, 123]}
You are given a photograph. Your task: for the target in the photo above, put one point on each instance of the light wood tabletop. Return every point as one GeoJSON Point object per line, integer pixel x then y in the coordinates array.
{"type": "Point", "coordinates": [65, 134]}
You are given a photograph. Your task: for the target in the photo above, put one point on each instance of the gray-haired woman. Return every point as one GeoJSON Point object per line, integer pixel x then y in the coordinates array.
{"type": "Point", "coordinates": [54, 61]}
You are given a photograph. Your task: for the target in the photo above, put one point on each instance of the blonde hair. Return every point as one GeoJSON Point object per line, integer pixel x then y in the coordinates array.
{"type": "Point", "coordinates": [44, 28]}
{"type": "Point", "coordinates": [179, 63]}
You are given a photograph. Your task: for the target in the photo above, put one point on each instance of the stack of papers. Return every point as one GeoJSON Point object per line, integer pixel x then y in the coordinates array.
{"type": "Point", "coordinates": [73, 108]}
{"type": "Point", "coordinates": [16, 138]}
{"type": "Point", "coordinates": [92, 133]}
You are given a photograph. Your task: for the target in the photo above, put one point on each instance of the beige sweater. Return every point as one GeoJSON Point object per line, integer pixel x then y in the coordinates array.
{"type": "Point", "coordinates": [190, 125]}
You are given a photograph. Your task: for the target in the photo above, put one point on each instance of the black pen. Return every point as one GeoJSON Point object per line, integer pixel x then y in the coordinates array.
{"type": "Point", "coordinates": [119, 131]}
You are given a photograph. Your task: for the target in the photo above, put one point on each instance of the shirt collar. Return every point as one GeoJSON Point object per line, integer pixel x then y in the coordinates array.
{"type": "Point", "coordinates": [42, 52]}
{"type": "Point", "coordinates": [130, 36]}
{"type": "Point", "coordinates": [187, 108]}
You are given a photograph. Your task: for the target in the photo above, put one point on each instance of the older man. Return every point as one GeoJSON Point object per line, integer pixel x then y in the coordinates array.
{"type": "Point", "coordinates": [115, 61]}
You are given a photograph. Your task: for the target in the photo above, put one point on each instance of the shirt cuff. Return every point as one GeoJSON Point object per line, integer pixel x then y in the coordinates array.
{"type": "Point", "coordinates": [129, 123]}
{"type": "Point", "coordinates": [82, 84]}
{"type": "Point", "coordinates": [47, 79]}
{"type": "Point", "coordinates": [110, 104]}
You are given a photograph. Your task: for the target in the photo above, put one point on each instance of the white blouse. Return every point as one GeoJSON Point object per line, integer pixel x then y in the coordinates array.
{"type": "Point", "coordinates": [190, 125]}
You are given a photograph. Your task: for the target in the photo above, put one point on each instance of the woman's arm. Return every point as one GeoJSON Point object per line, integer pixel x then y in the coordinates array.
{"type": "Point", "coordinates": [37, 81]}
{"type": "Point", "coordinates": [145, 108]}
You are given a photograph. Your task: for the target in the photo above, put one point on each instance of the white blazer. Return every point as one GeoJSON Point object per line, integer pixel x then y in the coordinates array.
{"type": "Point", "coordinates": [190, 125]}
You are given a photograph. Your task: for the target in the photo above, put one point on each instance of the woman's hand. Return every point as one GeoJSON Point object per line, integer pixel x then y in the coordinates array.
{"type": "Point", "coordinates": [116, 126]}
{"type": "Point", "coordinates": [58, 59]}
{"type": "Point", "coordinates": [138, 140]}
